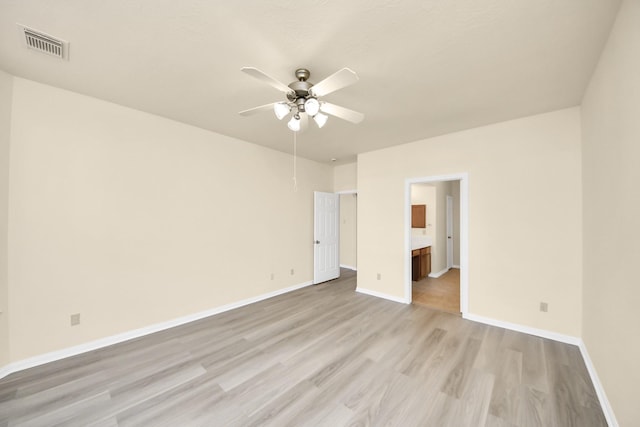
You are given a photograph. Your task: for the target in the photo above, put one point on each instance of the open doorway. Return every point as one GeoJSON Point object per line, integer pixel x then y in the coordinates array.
{"type": "Point", "coordinates": [348, 229]}
{"type": "Point", "coordinates": [436, 240]}
{"type": "Point", "coordinates": [435, 282]}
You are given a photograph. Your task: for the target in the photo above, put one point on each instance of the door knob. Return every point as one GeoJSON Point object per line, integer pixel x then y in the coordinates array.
{"type": "Point", "coordinates": [317, 242]}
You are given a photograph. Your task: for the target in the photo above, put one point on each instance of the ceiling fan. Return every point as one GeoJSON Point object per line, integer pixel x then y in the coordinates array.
{"type": "Point", "coordinates": [303, 98]}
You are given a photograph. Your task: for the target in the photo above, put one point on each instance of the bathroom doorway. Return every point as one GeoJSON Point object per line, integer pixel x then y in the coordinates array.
{"type": "Point", "coordinates": [437, 248]}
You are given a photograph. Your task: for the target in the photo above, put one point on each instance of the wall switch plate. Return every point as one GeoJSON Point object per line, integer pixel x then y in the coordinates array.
{"type": "Point", "coordinates": [272, 276]}
{"type": "Point", "coordinates": [293, 272]}
{"type": "Point", "coordinates": [544, 307]}
{"type": "Point", "coordinates": [75, 319]}
{"type": "Point", "coordinates": [379, 276]}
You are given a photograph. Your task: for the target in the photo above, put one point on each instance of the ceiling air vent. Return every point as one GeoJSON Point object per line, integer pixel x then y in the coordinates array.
{"type": "Point", "coordinates": [44, 43]}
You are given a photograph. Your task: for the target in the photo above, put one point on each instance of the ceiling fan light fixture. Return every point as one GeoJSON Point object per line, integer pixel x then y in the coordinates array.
{"type": "Point", "coordinates": [294, 123]}
{"type": "Point", "coordinates": [281, 109]}
{"type": "Point", "coordinates": [320, 119]}
{"type": "Point", "coordinates": [302, 98]}
{"type": "Point", "coordinates": [312, 106]}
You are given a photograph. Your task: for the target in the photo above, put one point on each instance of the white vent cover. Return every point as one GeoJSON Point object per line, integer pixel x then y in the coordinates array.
{"type": "Point", "coordinates": [42, 42]}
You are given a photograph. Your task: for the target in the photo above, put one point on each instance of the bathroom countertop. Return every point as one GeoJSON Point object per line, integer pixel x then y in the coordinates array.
{"type": "Point", "coordinates": [419, 242]}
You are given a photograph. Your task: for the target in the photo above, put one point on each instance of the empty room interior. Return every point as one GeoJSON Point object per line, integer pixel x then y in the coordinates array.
{"type": "Point", "coordinates": [208, 213]}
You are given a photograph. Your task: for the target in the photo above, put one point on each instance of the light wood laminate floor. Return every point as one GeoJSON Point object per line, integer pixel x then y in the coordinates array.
{"type": "Point", "coordinates": [442, 293]}
{"type": "Point", "coordinates": [320, 356]}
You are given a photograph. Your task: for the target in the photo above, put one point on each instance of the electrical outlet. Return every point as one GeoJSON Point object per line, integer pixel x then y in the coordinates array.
{"type": "Point", "coordinates": [379, 276]}
{"type": "Point", "coordinates": [544, 307]}
{"type": "Point", "coordinates": [75, 319]}
{"type": "Point", "coordinates": [293, 272]}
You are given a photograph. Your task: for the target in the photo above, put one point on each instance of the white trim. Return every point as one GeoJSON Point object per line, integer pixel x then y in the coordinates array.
{"type": "Point", "coordinates": [568, 339]}
{"type": "Point", "coordinates": [382, 295]}
{"type": "Point", "coordinates": [464, 234]}
{"type": "Point", "coordinates": [439, 273]}
{"type": "Point", "coordinates": [348, 267]}
{"type": "Point", "coordinates": [6, 370]}
{"type": "Point", "coordinates": [456, 266]}
{"type": "Point", "coordinates": [115, 339]}
{"type": "Point", "coordinates": [602, 396]}
{"type": "Point", "coordinates": [136, 333]}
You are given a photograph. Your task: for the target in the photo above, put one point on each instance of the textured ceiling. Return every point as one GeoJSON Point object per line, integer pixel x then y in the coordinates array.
{"type": "Point", "coordinates": [426, 67]}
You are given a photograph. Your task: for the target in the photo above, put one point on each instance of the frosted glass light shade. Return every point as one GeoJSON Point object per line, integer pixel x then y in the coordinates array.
{"type": "Point", "coordinates": [281, 109]}
{"type": "Point", "coordinates": [320, 119]}
{"type": "Point", "coordinates": [294, 124]}
{"type": "Point", "coordinates": [312, 106]}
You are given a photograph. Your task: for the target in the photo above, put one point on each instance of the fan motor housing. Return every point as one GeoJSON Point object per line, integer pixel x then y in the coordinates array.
{"type": "Point", "coordinates": [300, 89]}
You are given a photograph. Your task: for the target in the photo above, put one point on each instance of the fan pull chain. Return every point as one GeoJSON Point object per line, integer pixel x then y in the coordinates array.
{"type": "Point", "coordinates": [295, 155]}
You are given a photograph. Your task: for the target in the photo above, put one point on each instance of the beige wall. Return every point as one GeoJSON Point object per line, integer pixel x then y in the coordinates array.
{"type": "Point", "coordinates": [345, 177]}
{"type": "Point", "coordinates": [348, 230]}
{"type": "Point", "coordinates": [525, 245]}
{"type": "Point", "coordinates": [611, 174]}
{"type": "Point", "coordinates": [6, 86]}
{"type": "Point", "coordinates": [131, 219]}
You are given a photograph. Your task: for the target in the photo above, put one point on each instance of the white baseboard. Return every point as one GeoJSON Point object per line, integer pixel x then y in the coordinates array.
{"type": "Point", "coordinates": [6, 370]}
{"type": "Point", "coordinates": [522, 328]}
{"type": "Point", "coordinates": [455, 266]}
{"type": "Point", "coordinates": [602, 396]}
{"type": "Point", "coordinates": [136, 333]}
{"type": "Point", "coordinates": [438, 274]}
{"type": "Point", "coordinates": [348, 267]}
{"type": "Point", "coordinates": [382, 295]}
{"type": "Point", "coordinates": [115, 339]}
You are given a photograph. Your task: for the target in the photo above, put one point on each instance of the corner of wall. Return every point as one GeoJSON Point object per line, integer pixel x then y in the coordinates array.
{"type": "Point", "coordinates": [345, 177]}
{"type": "Point", "coordinates": [6, 99]}
{"type": "Point", "coordinates": [610, 205]}
{"type": "Point", "coordinates": [175, 238]}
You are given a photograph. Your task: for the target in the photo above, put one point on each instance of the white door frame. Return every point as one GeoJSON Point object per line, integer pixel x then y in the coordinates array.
{"type": "Point", "coordinates": [449, 228]}
{"type": "Point", "coordinates": [464, 234]}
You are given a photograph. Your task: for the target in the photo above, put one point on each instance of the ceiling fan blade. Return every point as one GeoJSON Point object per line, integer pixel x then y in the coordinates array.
{"type": "Point", "coordinates": [254, 110]}
{"type": "Point", "coordinates": [263, 77]}
{"type": "Point", "coordinates": [335, 81]}
{"type": "Point", "coordinates": [341, 112]}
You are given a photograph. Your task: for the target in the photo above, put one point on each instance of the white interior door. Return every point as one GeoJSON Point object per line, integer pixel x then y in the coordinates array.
{"type": "Point", "coordinates": [326, 236]}
{"type": "Point", "coordinates": [449, 232]}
